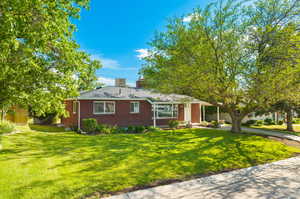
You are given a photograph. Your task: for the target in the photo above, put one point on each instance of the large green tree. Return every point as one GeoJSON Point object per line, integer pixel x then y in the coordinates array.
{"type": "Point", "coordinates": [40, 63]}
{"type": "Point", "coordinates": [233, 55]}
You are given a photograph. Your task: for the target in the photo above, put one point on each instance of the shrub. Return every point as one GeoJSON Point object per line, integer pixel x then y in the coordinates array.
{"type": "Point", "coordinates": [121, 130]}
{"type": "Point", "coordinates": [296, 121]}
{"type": "Point", "coordinates": [136, 129]}
{"type": "Point", "coordinates": [269, 121]}
{"type": "Point", "coordinates": [6, 127]}
{"type": "Point", "coordinates": [203, 123]}
{"type": "Point", "coordinates": [130, 129]}
{"type": "Point", "coordinates": [89, 125]}
{"type": "Point", "coordinates": [280, 122]}
{"type": "Point", "coordinates": [215, 124]}
{"type": "Point", "coordinates": [107, 130]}
{"type": "Point", "coordinates": [152, 129]}
{"type": "Point", "coordinates": [173, 124]}
{"type": "Point", "coordinates": [250, 122]}
{"type": "Point", "coordinates": [140, 129]}
{"type": "Point", "coordinates": [259, 123]}
{"type": "Point", "coordinates": [99, 128]}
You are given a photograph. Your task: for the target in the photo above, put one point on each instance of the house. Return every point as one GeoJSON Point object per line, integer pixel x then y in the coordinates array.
{"type": "Point", "coordinates": [123, 106]}
{"type": "Point", "coordinates": [276, 116]}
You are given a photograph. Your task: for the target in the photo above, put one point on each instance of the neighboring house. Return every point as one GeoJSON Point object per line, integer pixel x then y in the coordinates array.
{"type": "Point", "coordinates": [17, 115]}
{"type": "Point", "coordinates": [124, 106]}
{"type": "Point", "coordinates": [252, 116]}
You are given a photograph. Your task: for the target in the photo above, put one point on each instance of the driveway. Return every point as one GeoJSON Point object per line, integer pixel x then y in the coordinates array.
{"type": "Point", "coordinates": [275, 180]}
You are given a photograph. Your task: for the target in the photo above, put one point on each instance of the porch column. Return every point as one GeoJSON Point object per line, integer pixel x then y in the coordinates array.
{"type": "Point", "coordinates": [200, 119]}
{"type": "Point", "coordinates": [78, 104]}
{"type": "Point", "coordinates": [204, 113]}
{"type": "Point", "coordinates": [218, 113]}
{"type": "Point", "coordinates": [154, 115]}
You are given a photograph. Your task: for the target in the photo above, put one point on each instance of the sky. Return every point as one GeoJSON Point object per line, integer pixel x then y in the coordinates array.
{"type": "Point", "coordinates": [117, 32]}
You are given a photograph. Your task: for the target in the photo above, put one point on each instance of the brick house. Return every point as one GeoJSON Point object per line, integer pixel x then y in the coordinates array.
{"type": "Point", "coordinates": [123, 106]}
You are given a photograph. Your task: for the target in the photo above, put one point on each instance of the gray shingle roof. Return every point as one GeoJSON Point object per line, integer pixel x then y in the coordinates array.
{"type": "Point", "coordinates": [112, 92]}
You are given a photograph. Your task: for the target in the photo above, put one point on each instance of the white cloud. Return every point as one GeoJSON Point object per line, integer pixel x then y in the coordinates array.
{"type": "Point", "coordinates": [142, 53]}
{"type": "Point", "coordinates": [111, 81]}
{"type": "Point", "coordinates": [189, 18]}
{"type": "Point", "coordinates": [112, 64]}
{"type": "Point", "coordinates": [107, 81]}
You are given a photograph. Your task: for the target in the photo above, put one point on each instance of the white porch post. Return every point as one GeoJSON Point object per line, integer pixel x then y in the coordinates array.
{"type": "Point", "coordinates": [78, 114]}
{"type": "Point", "coordinates": [154, 115]}
{"type": "Point", "coordinates": [218, 113]}
{"type": "Point", "coordinates": [200, 119]}
{"type": "Point", "coordinates": [204, 113]}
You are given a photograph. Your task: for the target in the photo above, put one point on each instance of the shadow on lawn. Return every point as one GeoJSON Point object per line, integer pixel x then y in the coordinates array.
{"type": "Point", "coordinates": [115, 162]}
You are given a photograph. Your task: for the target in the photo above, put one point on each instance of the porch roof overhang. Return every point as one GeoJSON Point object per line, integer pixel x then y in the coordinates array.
{"type": "Point", "coordinates": [150, 100]}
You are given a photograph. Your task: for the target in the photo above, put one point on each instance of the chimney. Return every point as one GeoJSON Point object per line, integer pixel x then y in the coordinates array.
{"type": "Point", "coordinates": [120, 82]}
{"type": "Point", "coordinates": [140, 83]}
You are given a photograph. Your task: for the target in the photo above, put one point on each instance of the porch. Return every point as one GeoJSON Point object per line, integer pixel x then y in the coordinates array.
{"type": "Point", "coordinates": [191, 113]}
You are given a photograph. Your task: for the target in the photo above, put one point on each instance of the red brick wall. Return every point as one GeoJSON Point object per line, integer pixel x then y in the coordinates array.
{"type": "Point", "coordinates": [72, 119]}
{"type": "Point", "coordinates": [195, 113]}
{"type": "Point", "coordinates": [122, 116]}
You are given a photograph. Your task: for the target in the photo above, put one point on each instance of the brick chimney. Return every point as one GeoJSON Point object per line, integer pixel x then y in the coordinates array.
{"type": "Point", "coordinates": [120, 82]}
{"type": "Point", "coordinates": [140, 83]}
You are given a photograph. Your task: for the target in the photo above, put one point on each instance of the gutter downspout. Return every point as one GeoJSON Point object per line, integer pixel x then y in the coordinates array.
{"type": "Point", "coordinates": [218, 114]}
{"type": "Point", "coordinates": [78, 119]}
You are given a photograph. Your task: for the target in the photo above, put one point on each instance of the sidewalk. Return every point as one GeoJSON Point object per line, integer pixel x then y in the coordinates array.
{"type": "Point", "coordinates": [275, 180]}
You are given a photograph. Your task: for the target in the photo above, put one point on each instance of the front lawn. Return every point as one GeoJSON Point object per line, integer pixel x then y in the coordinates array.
{"type": "Point", "coordinates": [279, 128]}
{"type": "Point", "coordinates": [67, 165]}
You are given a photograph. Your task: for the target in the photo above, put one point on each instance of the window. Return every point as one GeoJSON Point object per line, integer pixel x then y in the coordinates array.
{"type": "Point", "coordinates": [104, 107]}
{"type": "Point", "coordinates": [134, 107]}
{"type": "Point", "coordinates": [166, 111]}
{"type": "Point", "coordinates": [74, 107]}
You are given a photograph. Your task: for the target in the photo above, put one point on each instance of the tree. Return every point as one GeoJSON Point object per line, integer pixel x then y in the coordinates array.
{"type": "Point", "coordinates": [40, 63]}
{"type": "Point", "coordinates": [230, 54]}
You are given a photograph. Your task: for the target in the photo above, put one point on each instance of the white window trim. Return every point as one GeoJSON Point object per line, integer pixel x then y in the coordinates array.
{"type": "Point", "coordinates": [138, 106]}
{"type": "Point", "coordinates": [173, 117]}
{"type": "Point", "coordinates": [104, 104]}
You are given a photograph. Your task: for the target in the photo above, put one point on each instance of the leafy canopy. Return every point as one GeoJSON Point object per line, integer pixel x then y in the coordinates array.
{"type": "Point", "coordinates": [234, 55]}
{"type": "Point", "coordinates": [40, 63]}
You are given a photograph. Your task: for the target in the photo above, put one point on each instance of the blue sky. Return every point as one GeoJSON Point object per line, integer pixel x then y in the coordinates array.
{"type": "Point", "coordinates": [113, 31]}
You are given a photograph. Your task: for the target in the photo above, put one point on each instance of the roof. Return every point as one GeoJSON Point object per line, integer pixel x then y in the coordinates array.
{"type": "Point", "coordinates": [130, 93]}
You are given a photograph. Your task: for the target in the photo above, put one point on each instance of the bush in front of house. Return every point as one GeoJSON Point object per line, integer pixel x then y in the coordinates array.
{"type": "Point", "coordinates": [89, 125]}
{"type": "Point", "coordinates": [136, 129]}
{"type": "Point", "coordinates": [269, 121]}
{"type": "Point", "coordinates": [152, 129]}
{"type": "Point", "coordinates": [215, 124]}
{"type": "Point", "coordinates": [250, 122]}
{"type": "Point", "coordinates": [259, 123]}
{"type": "Point", "coordinates": [280, 122]}
{"type": "Point", "coordinates": [204, 123]}
{"type": "Point", "coordinates": [296, 121]}
{"type": "Point", "coordinates": [6, 127]}
{"type": "Point", "coordinates": [173, 124]}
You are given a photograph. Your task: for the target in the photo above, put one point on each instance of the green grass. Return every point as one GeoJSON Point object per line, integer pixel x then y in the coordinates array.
{"type": "Point", "coordinates": [67, 165]}
{"type": "Point", "coordinates": [45, 128]}
{"type": "Point", "coordinates": [279, 128]}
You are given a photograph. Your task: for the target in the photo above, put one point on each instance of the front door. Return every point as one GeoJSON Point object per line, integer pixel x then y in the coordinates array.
{"type": "Point", "coordinates": [187, 113]}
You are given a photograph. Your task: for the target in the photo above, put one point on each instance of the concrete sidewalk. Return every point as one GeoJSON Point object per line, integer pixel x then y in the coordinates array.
{"type": "Point", "coordinates": [275, 180]}
{"type": "Point", "coordinates": [267, 132]}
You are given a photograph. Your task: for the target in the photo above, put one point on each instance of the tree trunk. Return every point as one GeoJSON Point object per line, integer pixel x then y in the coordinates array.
{"type": "Point", "coordinates": [236, 123]}
{"type": "Point", "coordinates": [289, 120]}
{"type": "Point", "coordinates": [2, 115]}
